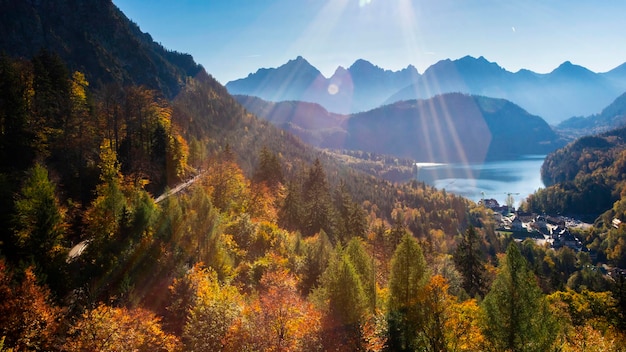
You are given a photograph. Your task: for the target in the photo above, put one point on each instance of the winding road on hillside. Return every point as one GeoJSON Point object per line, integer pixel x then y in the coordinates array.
{"type": "Point", "coordinates": [78, 249]}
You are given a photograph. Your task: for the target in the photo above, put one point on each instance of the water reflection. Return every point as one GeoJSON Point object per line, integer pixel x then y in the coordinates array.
{"type": "Point", "coordinates": [497, 179]}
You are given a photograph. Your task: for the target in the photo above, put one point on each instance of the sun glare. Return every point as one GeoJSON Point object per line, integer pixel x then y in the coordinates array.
{"type": "Point", "coordinates": [333, 89]}
{"type": "Point", "coordinates": [364, 2]}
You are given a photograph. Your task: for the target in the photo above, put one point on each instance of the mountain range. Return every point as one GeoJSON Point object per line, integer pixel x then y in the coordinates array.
{"type": "Point", "coordinates": [569, 90]}
{"type": "Point", "coordinates": [363, 86]}
{"type": "Point", "coordinates": [451, 127]}
{"type": "Point", "coordinates": [611, 117]}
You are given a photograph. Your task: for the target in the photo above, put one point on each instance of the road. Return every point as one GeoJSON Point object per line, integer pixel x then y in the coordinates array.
{"type": "Point", "coordinates": [78, 249]}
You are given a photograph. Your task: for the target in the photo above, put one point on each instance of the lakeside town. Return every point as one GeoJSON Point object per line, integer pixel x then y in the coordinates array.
{"type": "Point", "coordinates": [546, 230]}
{"type": "Point", "coordinates": [543, 229]}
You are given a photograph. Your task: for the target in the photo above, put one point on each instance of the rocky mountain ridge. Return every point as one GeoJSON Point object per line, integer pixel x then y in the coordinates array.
{"type": "Point", "coordinates": [569, 90]}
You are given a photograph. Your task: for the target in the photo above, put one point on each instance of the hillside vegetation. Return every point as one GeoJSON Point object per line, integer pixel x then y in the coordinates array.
{"type": "Point", "coordinates": [274, 246]}
{"type": "Point", "coordinates": [586, 177]}
{"type": "Point", "coordinates": [447, 128]}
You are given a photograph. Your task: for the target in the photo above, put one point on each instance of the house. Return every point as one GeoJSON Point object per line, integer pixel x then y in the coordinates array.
{"type": "Point", "coordinates": [540, 223]}
{"type": "Point", "coordinates": [516, 224]}
{"type": "Point", "coordinates": [616, 222]}
{"type": "Point", "coordinates": [490, 203]}
{"type": "Point", "coordinates": [524, 216]}
{"type": "Point", "coordinates": [565, 238]}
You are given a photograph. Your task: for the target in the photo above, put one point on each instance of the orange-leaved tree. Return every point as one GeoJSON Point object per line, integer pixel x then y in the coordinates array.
{"type": "Point", "coordinates": [108, 328]}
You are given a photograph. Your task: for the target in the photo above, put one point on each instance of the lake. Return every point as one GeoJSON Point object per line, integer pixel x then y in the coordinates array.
{"type": "Point", "coordinates": [520, 177]}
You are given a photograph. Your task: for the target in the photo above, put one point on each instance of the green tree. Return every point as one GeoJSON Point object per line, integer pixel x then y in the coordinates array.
{"type": "Point", "coordinates": [103, 220]}
{"type": "Point", "coordinates": [397, 232]}
{"type": "Point", "coordinates": [291, 211]}
{"type": "Point", "coordinates": [317, 254]}
{"type": "Point", "coordinates": [469, 263]}
{"type": "Point", "coordinates": [269, 169]}
{"type": "Point", "coordinates": [347, 303]}
{"type": "Point", "coordinates": [319, 211]}
{"type": "Point", "coordinates": [40, 227]}
{"type": "Point", "coordinates": [364, 266]}
{"type": "Point", "coordinates": [350, 217]}
{"type": "Point", "coordinates": [407, 280]}
{"type": "Point", "coordinates": [515, 313]}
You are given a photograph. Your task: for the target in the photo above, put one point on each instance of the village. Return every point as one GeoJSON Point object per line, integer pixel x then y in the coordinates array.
{"type": "Point", "coordinates": [543, 229]}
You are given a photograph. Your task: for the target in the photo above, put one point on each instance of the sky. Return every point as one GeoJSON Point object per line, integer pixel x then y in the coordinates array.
{"type": "Point", "coordinates": [233, 38]}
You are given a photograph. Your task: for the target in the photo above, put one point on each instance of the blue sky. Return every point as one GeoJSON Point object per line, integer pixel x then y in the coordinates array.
{"type": "Point", "coordinates": [232, 38]}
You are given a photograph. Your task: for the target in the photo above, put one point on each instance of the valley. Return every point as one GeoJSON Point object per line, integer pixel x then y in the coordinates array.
{"type": "Point", "coordinates": [148, 207]}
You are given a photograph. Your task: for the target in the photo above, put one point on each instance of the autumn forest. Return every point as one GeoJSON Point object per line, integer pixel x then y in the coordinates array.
{"type": "Point", "coordinates": [137, 218]}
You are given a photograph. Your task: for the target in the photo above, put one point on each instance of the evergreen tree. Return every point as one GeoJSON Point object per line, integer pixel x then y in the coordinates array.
{"type": "Point", "coordinates": [468, 262]}
{"type": "Point", "coordinates": [16, 137]}
{"type": "Point", "coordinates": [397, 232]}
{"type": "Point", "coordinates": [347, 302]}
{"type": "Point", "coordinates": [364, 266]}
{"type": "Point", "coordinates": [40, 227]}
{"type": "Point", "coordinates": [406, 287]}
{"type": "Point", "coordinates": [516, 316]}
{"type": "Point", "coordinates": [317, 255]}
{"type": "Point", "coordinates": [51, 101]}
{"type": "Point", "coordinates": [318, 204]}
{"type": "Point", "coordinates": [269, 169]}
{"type": "Point", "coordinates": [350, 217]}
{"type": "Point", "coordinates": [292, 210]}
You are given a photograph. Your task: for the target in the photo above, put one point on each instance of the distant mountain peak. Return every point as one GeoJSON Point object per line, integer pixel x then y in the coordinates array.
{"type": "Point", "coordinates": [568, 66]}
{"type": "Point", "coordinates": [299, 60]}
{"type": "Point", "coordinates": [470, 58]}
{"type": "Point", "coordinates": [362, 62]}
{"type": "Point", "coordinates": [481, 61]}
{"type": "Point", "coordinates": [298, 65]}
{"type": "Point", "coordinates": [340, 69]}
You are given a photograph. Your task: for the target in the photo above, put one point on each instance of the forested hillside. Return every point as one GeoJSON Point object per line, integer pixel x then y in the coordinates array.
{"type": "Point", "coordinates": [96, 38]}
{"type": "Point", "coordinates": [586, 180]}
{"type": "Point", "coordinates": [468, 128]}
{"type": "Point", "coordinates": [274, 246]}
{"type": "Point", "coordinates": [585, 177]}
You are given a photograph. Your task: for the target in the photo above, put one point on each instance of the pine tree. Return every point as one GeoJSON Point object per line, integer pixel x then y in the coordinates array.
{"type": "Point", "coordinates": [292, 210]}
{"type": "Point", "coordinates": [363, 264]}
{"type": "Point", "coordinates": [468, 262]}
{"type": "Point", "coordinates": [40, 227]}
{"type": "Point", "coordinates": [347, 303]}
{"type": "Point", "coordinates": [317, 255]}
{"type": "Point", "coordinates": [350, 217]}
{"type": "Point", "coordinates": [516, 316]}
{"type": "Point", "coordinates": [16, 137]}
{"type": "Point", "coordinates": [406, 285]}
{"type": "Point", "coordinates": [318, 204]}
{"type": "Point", "coordinates": [269, 169]}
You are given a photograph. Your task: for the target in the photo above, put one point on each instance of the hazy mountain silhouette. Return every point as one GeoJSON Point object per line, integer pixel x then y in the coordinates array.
{"type": "Point", "coordinates": [309, 121]}
{"type": "Point", "coordinates": [569, 90]}
{"type": "Point", "coordinates": [447, 128]}
{"type": "Point", "coordinates": [361, 87]}
{"type": "Point", "coordinates": [611, 117]}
